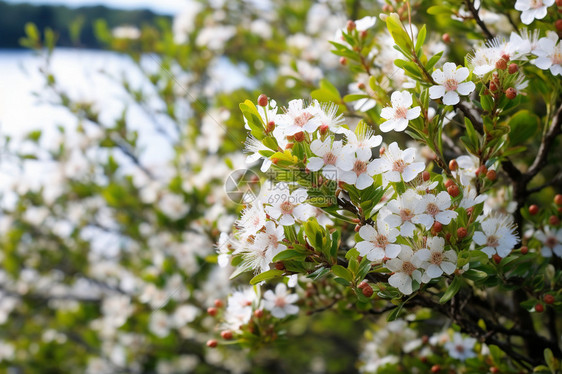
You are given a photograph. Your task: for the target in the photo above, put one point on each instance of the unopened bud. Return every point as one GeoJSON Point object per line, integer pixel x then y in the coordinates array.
{"type": "Point", "coordinates": [453, 190]}
{"type": "Point", "coordinates": [446, 38]}
{"type": "Point", "coordinates": [212, 311]}
{"type": "Point", "coordinates": [482, 170]}
{"type": "Point", "coordinates": [453, 165]}
{"type": "Point", "coordinates": [226, 334]}
{"type": "Point", "coordinates": [491, 175]}
{"type": "Point", "coordinates": [367, 291]}
{"type": "Point", "coordinates": [270, 126]}
{"type": "Point", "coordinates": [299, 136]}
{"type": "Point", "coordinates": [361, 85]}
{"type": "Point", "coordinates": [461, 232]}
{"type": "Point", "coordinates": [323, 129]}
{"type": "Point", "coordinates": [350, 26]}
{"type": "Point", "coordinates": [501, 64]}
{"type": "Point", "coordinates": [512, 68]}
{"type": "Point", "coordinates": [558, 199]}
{"type": "Point", "coordinates": [218, 303]}
{"type": "Point", "coordinates": [381, 151]}
{"type": "Point", "coordinates": [274, 160]}
{"type": "Point", "coordinates": [288, 146]}
{"type": "Point", "coordinates": [558, 24]}
{"type": "Point", "coordinates": [553, 221]}
{"type": "Point", "coordinates": [524, 250]}
{"type": "Point", "coordinates": [436, 228]}
{"type": "Point", "coordinates": [363, 34]}
{"type": "Point", "coordinates": [435, 369]}
{"type": "Point", "coordinates": [262, 100]}
{"type": "Point", "coordinates": [362, 285]}
{"type": "Point", "coordinates": [493, 86]}
{"type": "Point", "coordinates": [539, 308]}
{"type": "Point", "coordinates": [449, 183]}
{"type": "Point", "coordinates": [279, 265]}
{"type": "Point", "coordinates": [357, 228]}
{"type": "Point", "coordinates": [343, 61]}
{"type": "Point", "coordinates": [387, 8]}
{"type": "Point", "coordinates": [548, 299]}
{"type": "Point", "coordinates": [425, 175]}
{"type": "Point", "coordinates": [212, 343]}
{"type": "Point", "coordinates": [497, 259]}
{"type": "Point", "coordinates": [533, 209]}
{"type": "Point", "coordinates": [511, 93]}
{"type": "Point", "coordinates": [258, 313]}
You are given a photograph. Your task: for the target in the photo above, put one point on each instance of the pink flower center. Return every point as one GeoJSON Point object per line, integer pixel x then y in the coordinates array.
{"type": "Point", "coordinates": [286, 207]}
{"type": "Point", "coordinates": [399, 166]}
{"type": "Point", "coordinates": [381, 241]}
{"type": "Point", "coordinates": [406, 215]}
{"type": "Point", "coordinates": [551, 242]}
{"type": "Point", "coordinates": [557, 58]}
{"type": "Point", "coordinates": [360, 167]}
{"type": "Point", "coordinates": [280, 302]}
{"type": "Point", "coordinates": [330, 159]}
{"type": "Point", "coordinates": [432, 209]}
{"type": "Point", "coordinates": [536, 4]}
{"type": "Point", "coordinates": [401, 112]}
{"type": "Point", "coordinates": [436, 258]}
{"type": "Point", "coordinates": [408, 267]}
{"type": "Point", "coordinates": [451, 84]}
{"type": "Point", "coordinates": [302, 119]}
{"type": "Point", "coordinates": [492, 241]}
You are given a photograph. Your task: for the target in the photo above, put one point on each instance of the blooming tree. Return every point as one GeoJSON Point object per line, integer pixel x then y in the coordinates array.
{"type": "Point", "coordinates": [410, 196]}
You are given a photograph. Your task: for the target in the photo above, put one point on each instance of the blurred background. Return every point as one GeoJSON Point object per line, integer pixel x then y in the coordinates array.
{"type": "Point", "coordinates": [119, 124]}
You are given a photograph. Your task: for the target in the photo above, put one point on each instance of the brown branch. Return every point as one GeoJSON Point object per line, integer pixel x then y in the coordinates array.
{"type": "Point", "coordinates": [474, 11]}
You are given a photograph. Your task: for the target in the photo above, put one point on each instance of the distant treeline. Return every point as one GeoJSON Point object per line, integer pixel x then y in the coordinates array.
{"type": "Point", "coordinates": [13, 18]}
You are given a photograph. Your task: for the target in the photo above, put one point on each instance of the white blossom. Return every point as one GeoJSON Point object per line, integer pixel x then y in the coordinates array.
{"type": "Point", "coordinates": [398, 116]}
{"type": "Point", "coordinates": [280, 303]}
{"type": "Point", "coordinates": [436, 208]}
{"type": "Point", "coordinates": [549, 52]}
{"type": "Point", "coordinates": [532, 9]}
{"type": "Point", "coordinates": [378, 243]}
{"type": "Point", "coordinates": [436, 261]}
{"type": "Point", "coordinates": [403, 209]}
{"type": "Point", "coordinates": [450, 84]}
{"type": "Point", "coordinates": [461, 348]}
{"type": "Point", "coordinates": [551, 240]}
{"type": "Point", "coordinates": [405, 268]}
{"type": "Point", "coordinates": [396, 165]}
{"type": "Point", "coordinates": [497, 235]}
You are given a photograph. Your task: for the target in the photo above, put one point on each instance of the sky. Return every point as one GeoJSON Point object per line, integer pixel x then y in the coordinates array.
{"type": "Point", "coordinates": [159, 6]}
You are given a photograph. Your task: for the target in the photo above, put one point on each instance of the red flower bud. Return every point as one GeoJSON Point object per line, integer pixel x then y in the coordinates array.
{"type": "Point", "coordinates": [494, 370]}
{"type": "Point", "coordinates": [449, 183]}
{"type": "Point", "coordinates": [558, 199]}
{"type": "Point", "coordinates": [482, 170]}
{"type": "Point", "coordinates": [501, 64]}
{"type": "Point", "coordinates": [533, 209]}
{"type": "Point", "coordinates": [436, 228]}
{"type": "Point", "coordinates": [262, 100]}
{"type": "Point", "coordinates": [491, 175]}
{"type": "Point", "coordinates": [343, 61]}
{"type": "Point", "coordinates": [212, 311]}
{"type": "Point", "coordinates": [511, 93]}
{"type": "Point", "coordinates": [453, 190]}
{"type": "Point", "coordinates": [218, 303]}
{"type": "Point", "coordinates": [425, 175]}
{"type": "Point", "coordinates": [453, 165]}
{"type": "Point", "coordinates": [524, 250]}
{"type": "Point", "coordinates": [446, 38]}
{"type": "Point", "coordinates": [548, 299]}
{"type": "Point", "coordinates": [274, 160]}
{"type": "Point", "coordinates": [435, 369]}
{"type": "Point", "coordinates": [539, 308]}
{"type": "Point", "coordinates": [361, 85]}
{"type": "Point", "coordinates": [226, 334]}
{"type": "Point", "coordinates": [212, 343]}
{"type": "Point", "coordinates": [381, 151]}
{"type": "Point", "coordinates": [270, 126]}
{"type": "Point", "coordinates": [558, 24]}
{"type": "Point", "coordinates": [553, 220]}
{"type": "Point", "coordinates": [367, 290]}
{"type": "Point", "coordinates": [258, 313]}
{"type": "Point", "coordinates": [323, 129]}
{"type": "Point", "coordinates": [350, 26]}
{"type": "Point", "coordinates": [299, 136]}
{"type": "Point", "coordinates": [512, 68]}
{"type": "Point", "coordinates": [279, 265]}
{"type": "Point", "coordinates": [461, 232]}
{"type": "Point", "coordinates": [497, 258]}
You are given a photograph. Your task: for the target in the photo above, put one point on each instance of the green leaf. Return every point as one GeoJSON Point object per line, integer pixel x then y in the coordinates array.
{"type": "Point", "coordinates": [439, 9]}
{"type": "Point", "coordinates": [420, 39]}
{"type": "Point", "coordinates": [289, 254]}
{"type": "Point", "coordinates": [327, 92]}
{"type": "Point", "coordinates": [433, 60]}
{"type": "Point", "coordinates": [452, 290]}
{"type": "Point", "coordinates": [342, 272]}
{"type": "Point", "coordinates": [523, 126]}
{"type": "Point", "coordinates": [401, 38]}
{"type": "Point", "coordinates": [475, 275]}
{"type": "Point", "coordinates": [267, 275]}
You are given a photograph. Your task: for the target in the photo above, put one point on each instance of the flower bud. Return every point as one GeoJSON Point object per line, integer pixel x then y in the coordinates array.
{"type": "Point", "coordinates": [482, 170]}
{"type": "Point", "coordinates": [461, 232]}
{"type": "Point", "coordinates": [436, 228]}
{"type": "Point", "coordinates": [512, 68]}
{"type": "Point", "coordinates": [553, 221]}
{"type": "Point", "coordinates": [501, 64]}
{"type": "Point", "coordinates": [270, 126]}
{"type": "Point", "coordinates": [425, 175]}
{"type": "Point", "coordinates": [511, 93]}
{"type": "Point", "coordinates": [449, 183]}
{"type": "Point", "coordinates": [350, 26]}
{"type": "Point", "coordinates": [275, 160]}
{"type": "Point", "coordinates": [453, 190]}
{"type": "Point", "coordinates": [363, 34]}
{"type": "Point", "coordinates": [387, 8]}
{"type": "Point", "coordinates": [299, 136]}
{"type": "Point", "coordinates": [446, 38]}
{"type": "Point", "coordinates": [381, 151]}
{"type": "Point", "coordinates": [453, 165]}
{"type": "Point", "coordinates": [559, 2]}
{"type": "Point", "coordinates": [262, 100]}
{"type": "Point", "coordinates": [497, 259]}
{"type": "Point", "coordinates": [533, 209]}
{"type": "Point", "coordinates": [218, 303]}
{"type": "Point", "coordinates": [343, 61]}
{"type": "Point", "coordinates": [469, 211]}
{"type": "Point", "coordinates": [491, 175]}
{"type": "Point", "coordinates": [212, 311]}
{"type": "Point", "coordinates": [258, 313]}
{"type": "Point", "coordinates": [367, 290]}
{"type": "Point", "coordinates": [363, 284]}
{"type": "Point", "coordinates": [558, 24]}
{"type": "Point", "coordinates": [558, 199]}
{"type": "Point", "coordinates": [539, 308]}
{"type": "Point", "coordinates": [212, 343]}
{"type": "Point", "coordinates": [226, 334]}
{"type": "Point", "coordinates": [548, 299]}
{"type": "Point", "coordinates": [435, 369]}
{"type": "Point", "coordinates": [357, 228]}
{"type": "Point", "coordinates": [361, 86]}
{"type": "Point", "coordinates": [494, 370]}
{"type": "Point", "coordinates": [493, 86]}
{"type": "Point", "coordinates": [323, 129]}
{"type": "Point", "coordinates": [524, 250]}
